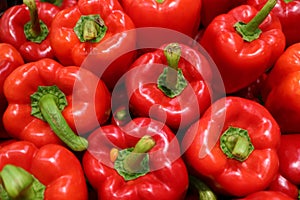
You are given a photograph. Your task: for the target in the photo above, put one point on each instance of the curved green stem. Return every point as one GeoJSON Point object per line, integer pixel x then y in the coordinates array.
{"type": "Point", "coordinates": [35, 30]}
{"type": "Point", "coordinates": [250, 31]}
{"type": "Point", "coordinates": [19, 184]}
{"type": "Point", "coordinates": [236, 143]}
{"type": "Point", "coordinates": [204, 192]}
{"type": "Point", "coordinates": [47, 104]}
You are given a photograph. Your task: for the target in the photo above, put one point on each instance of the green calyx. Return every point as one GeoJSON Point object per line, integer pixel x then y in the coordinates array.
{"type": "Point", "coordinates": [35, 30]}
{"type": "Point", "coordinates": [236, 143]}
{"type": "Point", "coordinates": [160, 1]}
{"type": "Point", "coordinates": [132, 163]}
{"type": "Point", "coordinates": [204, 192]}
{"type": "Point", "coordinates": [47, 104]}
{"type": "Point", "coordinates": [18, 184]}
{"type": "Point", "coordinates": [250, 31]}
{"type": "Point", "coordinates": [54, 2]}
{"type": "Point", "coordinates": [172, 82]}
{"type": "Point", "coordinates": [90, 28]}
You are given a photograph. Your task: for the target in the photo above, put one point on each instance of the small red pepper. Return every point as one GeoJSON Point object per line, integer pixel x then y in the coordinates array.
{"type": "Point", "coordinates": [244, 43]}
{"type": "Point", "coordinates": [49, 173]}
{"type": "Point", "coordinates": [10, 59]}
{"type": "Point", "coordinates": [171, 84]}
{"type": "Point", "coordinates": [138, 162]}
{"type": "Point", "coordinates": [180, 15]}
{"type": "Point", "coordinates": [288, 12]}
{"type": "Point", "coordinates": [26, 27]}
{"type": "Point", "coordinates": [281, 92]}
{"type": "Point", "coordinates": [212, 8]}
{"type": "Point", "coordinates": [51, 103]}
{"type": "Point", "coordinates": [281, 184]}
{"type": "Point", "coordinates": [62, 4]}
{"type": "Point", "coordinates": [267, 195]}
{"type": "Point", "coordinates": [234, 147]}
{"type": "Point", "coordinates": [96, 25]}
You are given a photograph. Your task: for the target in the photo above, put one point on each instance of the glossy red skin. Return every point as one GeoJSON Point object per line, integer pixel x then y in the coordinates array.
{"type": "Point", "coordinates": [270, 195]}
{"type": "Point", "coordinates": [282, 86]}
{"type": "Point", "coordinates": [24, 81]}
{"type": "Point", "coordinates": [180, 15]}
{"type": "Point", "coordinates": [70, 51]}
{"type": "Point", "coordinates": [239, 62]}
{"type": "Point", "coordinates": [10, 59]}
{"type": "Point", "coordinates": [212, 8]}
{"type": "Point", "coordinates": [285, 186]}
{"type": "Point", "coordinates": [146, 99]}
{"type": "Point", "coordinates": [168, 182]}
{"type": "Point", "coordinates": [51, 166]}
{"type": "Point", "coordinates": [229, 176]}
{"type": "Point", "coordinates": [289, 16]}
{"type": "Point", "coordinates": [12, 30]}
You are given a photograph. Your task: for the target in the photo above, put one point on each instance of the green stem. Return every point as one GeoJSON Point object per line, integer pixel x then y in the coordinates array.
{"type": "Point", "coordinates": [172, 53]}
{"type": "Point", "coordinates": [236, 143]}
{"type": "Point", "coordinates": [90, 28]}
{"type": "Point", "coordinates": [19, 184]}
{"type": "Point", "coordinates": [287, 1]}
{"type": "Point", "coordinates": [132, 162]}
{"type": "Point", "coordinates": [160, 1]}
{"type": "Point", "coordinates": [205, 193]}
{"type": "Point", "coordinates": [47, 104]}
{"type": "Point", "coordinates": [54, 2]}
{"type": "Point", "coordinates": [35, 30]}
{"type": "Point", "coordinates": [251, 31]}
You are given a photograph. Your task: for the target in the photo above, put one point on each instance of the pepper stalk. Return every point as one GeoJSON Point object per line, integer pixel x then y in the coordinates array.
{"type": "Point", "coordinates": [47, 104]}
{"type": "Point", "coordinates": [251, 31]}
{"type": "Point", "coordinates": [35, 30]}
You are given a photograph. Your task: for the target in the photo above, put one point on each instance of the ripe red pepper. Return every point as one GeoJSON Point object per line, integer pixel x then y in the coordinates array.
{"type": "Point", "coordinates": [171, 84]}
{"type": "Point", "coordinates": [138, 162]}
{"type": "Point", "coordinates": [78, 30]}
{"type": "Point", "coordinates": [10, 59]}
{"type": "Point", "coordinates": [281, 92]}
{"type": "Point", "coordinates": [51, 103]}
{"type": "Point", "coordinates": [270, 195]}
{"type": "Point", "coordinates": [62, 4]}
{"type": "Point", "coordinates": [48, 173]}
{"type": "Point", "coordinates": [288, 12]}
{"type": "Point", "coordinates": [281, 184]}
{"type": "Point", "coordinates": [244, 43]}
{"type": "Point", "coordinates": [26, 27]}
{"type": "Point", "coordinates": [234, 146]}
{"type": "Point", "coordinates": [212, 8]}
{"type": "Point", "coordinates": [289, 159]}
{"type": "Point", "coordinates": [180, 15]}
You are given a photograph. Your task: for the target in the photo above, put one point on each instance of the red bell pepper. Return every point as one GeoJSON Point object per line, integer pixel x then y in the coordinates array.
{"type": "Point", "coordinates": [26, 27]}
{"type": "Point", "coordinates": [281, 91]}
{"type": "Point", "coordinates": [140, 161]}
{"type": "Point", "coordinates": [281, 184]}
{"type": "Point", "coordinates": [289, 159]}
{"type": "Point", "coordinates": [49, 173]}
{"type": "Point", "coordinates": [270, 195]}
{"type": "Point", "coordinates": [51, 103]}
{"type": "Point", "coordinates": [171, 84]}
{"type": "Point", "coordinates": [288, 12]}
{"type": "Point", "coordinates": [212, 8]}
{"type": "Point", "coordinates": [244, 43]}
{"type": "Point", "coordinates": [62, 4]}
{"type": "Point", "coordinates": [96, 25]}
{"type": "Point", "coordinates": [234, 147]}
{"type": "Point", "coordinates": [10, 59]}
{"type": "Point", "coordinates": [180, 15]}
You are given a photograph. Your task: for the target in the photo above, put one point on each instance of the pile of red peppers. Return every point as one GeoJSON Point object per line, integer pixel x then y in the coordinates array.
{"type": "Point", "coordinates": [211, 112]}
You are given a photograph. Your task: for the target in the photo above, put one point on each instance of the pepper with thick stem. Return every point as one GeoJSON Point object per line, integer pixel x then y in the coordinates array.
{"type": "Point", "coordinates": [27, 26]}
{"type": "Point", "coordinates": [244, 43]}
